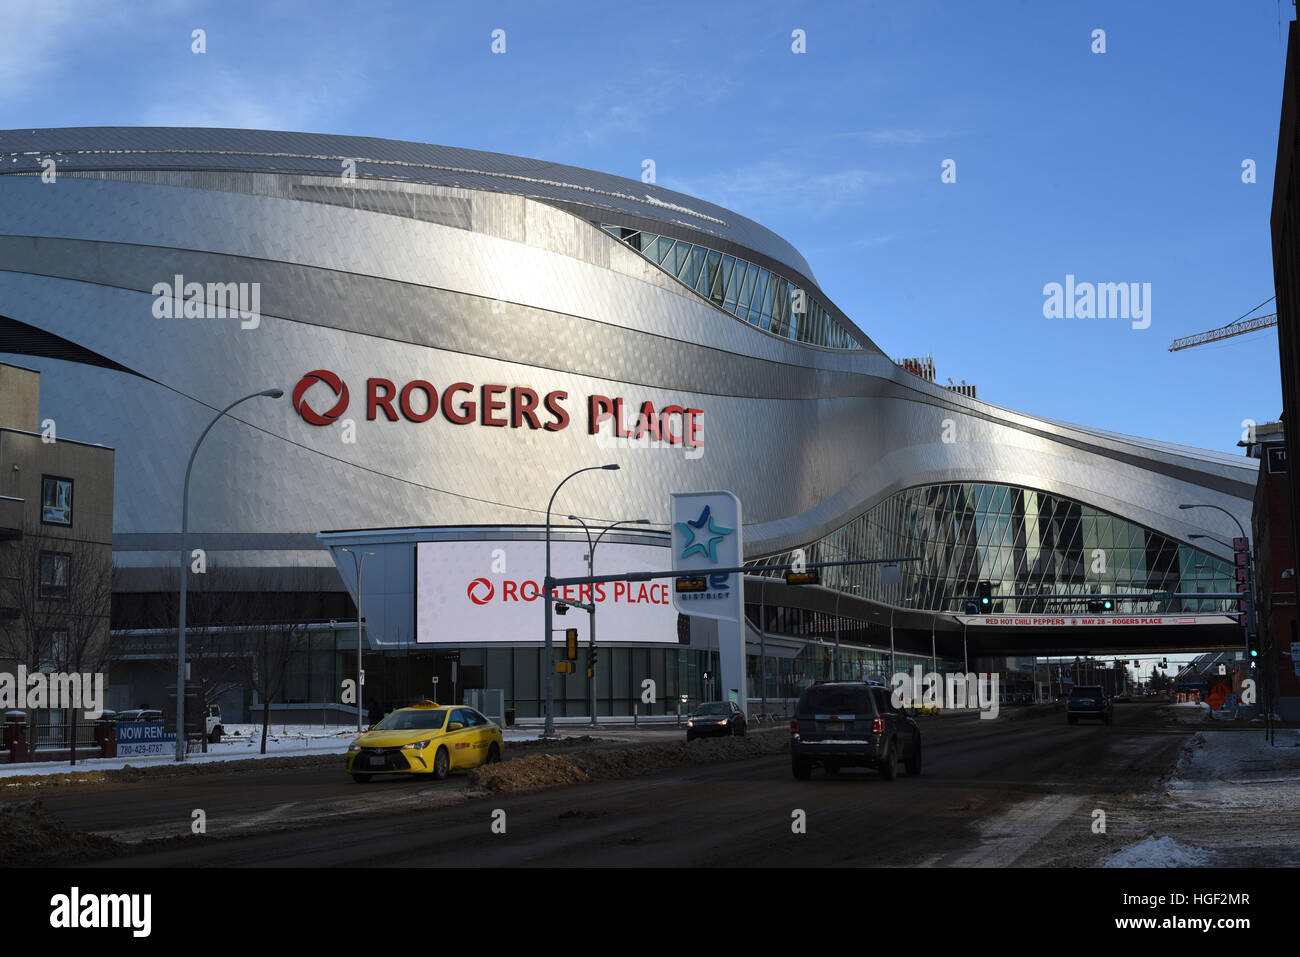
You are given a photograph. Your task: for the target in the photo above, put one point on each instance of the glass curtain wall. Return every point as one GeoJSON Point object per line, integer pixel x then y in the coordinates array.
{"type": "Point", "coordinates": [747, 291]}
{"type": "Point", "coordinates": [1024, 542]}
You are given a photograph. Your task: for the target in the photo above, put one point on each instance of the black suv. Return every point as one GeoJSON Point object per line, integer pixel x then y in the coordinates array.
{"type": "Point", "coordinates": [1088, 701]}
{"type": "Point", "coordinates": [852, 724]}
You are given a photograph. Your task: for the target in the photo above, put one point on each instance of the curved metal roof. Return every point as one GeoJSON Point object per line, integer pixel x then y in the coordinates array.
{"type": "Point", "coordinates": [171, 148]}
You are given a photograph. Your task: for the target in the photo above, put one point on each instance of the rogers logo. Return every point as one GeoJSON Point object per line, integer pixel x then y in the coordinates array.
{"type": "Point", "coordinates": [310, 415]}
{"type": "Point", "coordinates": [474, 590]}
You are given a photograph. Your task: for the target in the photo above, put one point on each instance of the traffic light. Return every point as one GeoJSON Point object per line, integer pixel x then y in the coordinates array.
{"type": "Point", "coordinates": [591, 662]}
{"type": "Point", "coordinates": [571, 644]}
{"type": "Point", "coordinates": [984, 595]}
{"type": "Point", "coordinates": [561, 608]}
{"type": "Point", "coordinates": [809, 576]}
{"type": "Point", "coordinates": [1100, 604]}
{"type": "Point", "coordinates": [691, 583]}
{"type": "Point", "coordinates": [1252, 647]}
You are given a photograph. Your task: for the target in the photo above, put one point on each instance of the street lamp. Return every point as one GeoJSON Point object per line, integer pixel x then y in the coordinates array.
{"type": "Point", "coordinates": [547, 585]}
{"type": "Point", "coordinates": [185, 527]}
{"type": "Point", "coordinates": [1250, 570]}
{"type": "Point", "coordinates": [838, 592]}
{"type": "Point", "coordinates": [359, 567]}
{"type": "Point", "coordinates": [591, 601]}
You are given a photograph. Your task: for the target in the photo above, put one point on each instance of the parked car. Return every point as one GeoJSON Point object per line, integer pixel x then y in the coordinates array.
{"type": "Point", "coordinates": [716, 719]}
{"type": "Point", "coordinates": [1089, 701]}
{"type": "Point", "coordinates": [852, 724]}
{"type": "Point", "coordinates": [140, 714]}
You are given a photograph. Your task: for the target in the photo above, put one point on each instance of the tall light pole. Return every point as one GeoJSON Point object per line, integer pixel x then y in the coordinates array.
{"type": "Point", "coordinates": [359, 567]}
{"type": "Point", "coordinates": [1250, 573]}
{"type": "Point", "coordinates": [548, 582]}
{"type": "Point", "coordinates": [838, 592]}
{"type": "Point", "coordinates": [591, 603]}
{"type": "Point", "coordinates": [185, 563]}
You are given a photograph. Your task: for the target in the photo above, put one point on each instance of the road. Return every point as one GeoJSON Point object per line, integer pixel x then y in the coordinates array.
{"type": "Point", "coordinates": [992, 793]}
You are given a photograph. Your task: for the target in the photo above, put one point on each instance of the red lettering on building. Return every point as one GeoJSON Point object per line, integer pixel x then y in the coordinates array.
{"type": "Point", "coordinates": [492, 404]}
{"type": "Point", "coordinates": [430, 400]}
{"type": "Point", "coordinates": [376, 401]}
{"type": "Point", "coordinates": [522, 403]}
{"type": "Point", "coordinates": [553, 406]}
{"type": "Point", "coordinates": [467, 411]}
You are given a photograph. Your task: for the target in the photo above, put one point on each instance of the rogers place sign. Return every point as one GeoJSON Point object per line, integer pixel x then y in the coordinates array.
{"type": "Point", "coordinates": [321, 397]}
{"type": "Point", "coordinates": [491, 591]}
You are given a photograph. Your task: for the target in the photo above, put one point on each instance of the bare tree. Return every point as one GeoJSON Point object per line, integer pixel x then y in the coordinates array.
{"type": "Point", "coordinates": [274, 645]}
{"type": "Point", "coordinates": [216, 646]}
{"type": "Point", "coordinates": [58, 591]}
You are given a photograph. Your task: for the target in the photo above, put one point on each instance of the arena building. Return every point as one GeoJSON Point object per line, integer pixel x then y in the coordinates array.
{"type": "Point", "coordinates": [455, 333]}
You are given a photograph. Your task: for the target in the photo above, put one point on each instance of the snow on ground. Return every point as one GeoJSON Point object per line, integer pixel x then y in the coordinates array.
{"type": "Point", "coordinates": [1162, 852]}
{"type": "Point", "coordinates": [281, 741]}
{"type": "Point", "coordinates": [1231, 770]}
{"type": "Point", "coordinates": [1233, 800]}
{"type": "Point", "coordinates": [241, 742]}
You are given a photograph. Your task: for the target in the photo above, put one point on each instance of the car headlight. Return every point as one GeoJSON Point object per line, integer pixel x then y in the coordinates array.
{"type": "Point", "coordinates": [416, 745]}
{"type": "Point", "coordinates": [723, 721]}
{"type": "Point", "coordinates": [354, 746]}
{"type": "Point", "coordinates": [690, 724]}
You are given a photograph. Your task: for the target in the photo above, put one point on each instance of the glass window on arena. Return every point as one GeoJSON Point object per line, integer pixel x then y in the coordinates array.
{"type": "Point", "coordinates": [746, 290]}
{"type": "Point", "coordinates": [1049, 548]}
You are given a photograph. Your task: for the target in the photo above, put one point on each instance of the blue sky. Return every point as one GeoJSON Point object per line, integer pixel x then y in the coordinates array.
{"type": "Point", "coordinates": [1123, 166]}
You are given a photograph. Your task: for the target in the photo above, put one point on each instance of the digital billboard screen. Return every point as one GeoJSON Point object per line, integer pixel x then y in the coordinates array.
{"type": "Point", "coordinates": [490, 592]}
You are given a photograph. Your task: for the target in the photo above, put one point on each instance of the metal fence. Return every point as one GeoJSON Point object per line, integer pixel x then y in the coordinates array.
{"type": "Point", "coordinates": [50, 737]}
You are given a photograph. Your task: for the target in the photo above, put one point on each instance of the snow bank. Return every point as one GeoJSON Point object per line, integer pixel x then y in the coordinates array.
{"type": "Point", "coordinates": [1160, 852]}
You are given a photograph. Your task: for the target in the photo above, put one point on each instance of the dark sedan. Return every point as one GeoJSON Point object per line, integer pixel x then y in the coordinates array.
{"type": "Point", "coordinates": [716, 719]}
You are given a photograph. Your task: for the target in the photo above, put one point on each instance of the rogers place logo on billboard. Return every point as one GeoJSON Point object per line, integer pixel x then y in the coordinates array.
{"type": "Point", "coordinates": [501, 406]}
{"type": "Point", "coordinates": [481, 591]}
{"type": "Point", "coordinates": [465, 593]}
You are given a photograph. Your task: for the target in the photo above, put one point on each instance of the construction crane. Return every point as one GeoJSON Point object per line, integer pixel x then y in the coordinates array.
{"type": "Point", "coordinates": [1238, 327]}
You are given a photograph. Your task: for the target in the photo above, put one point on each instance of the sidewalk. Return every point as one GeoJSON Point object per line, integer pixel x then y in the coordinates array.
{"type": "Point", "coordinates": [1232, 801]}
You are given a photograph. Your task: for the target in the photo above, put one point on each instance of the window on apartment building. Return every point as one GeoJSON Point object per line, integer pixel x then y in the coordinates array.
{"type": "Point", "coordinates": [56, 571]}
{"type": "Point", "coordinates": [54, 650]}
{"type": "Point", "coordinates": [56, 500]}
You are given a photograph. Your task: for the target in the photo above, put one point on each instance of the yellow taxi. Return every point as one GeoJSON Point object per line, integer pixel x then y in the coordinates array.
{"type": "Point", "coordinates": [426, 738]}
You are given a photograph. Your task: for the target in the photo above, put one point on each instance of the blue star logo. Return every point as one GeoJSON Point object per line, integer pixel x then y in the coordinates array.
{"type": "Point", "coordinates": [716, 534]}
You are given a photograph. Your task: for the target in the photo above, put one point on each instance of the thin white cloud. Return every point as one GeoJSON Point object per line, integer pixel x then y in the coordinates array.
{"type": "Point", "coordinates": [894, 137]}
{"type": "Point", "coordinates": [629, 103]}
{"type": "Point", "coordinates": [778, 185]}
{"type": "Point", "coordinates": [39, 38]}
{"type": "Point", "coordinates": [291, 100]}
